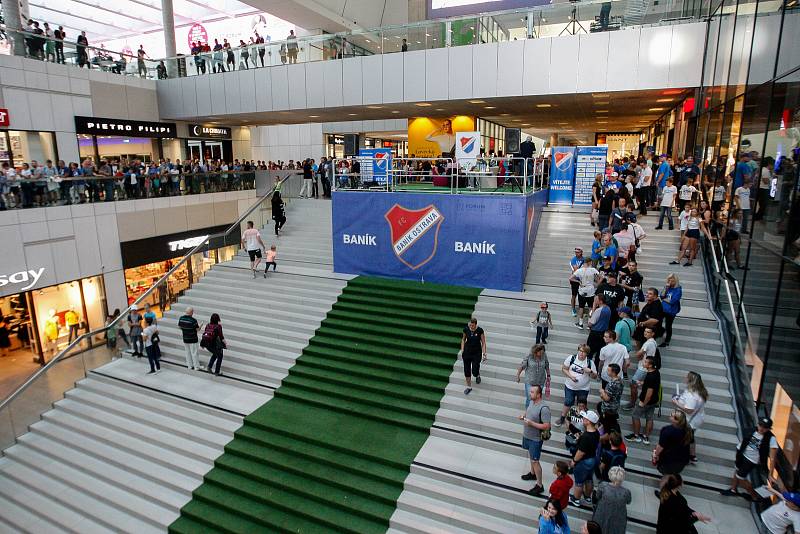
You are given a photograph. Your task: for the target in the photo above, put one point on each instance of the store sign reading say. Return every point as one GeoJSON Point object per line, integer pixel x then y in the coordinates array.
{"type": "Point", "coordinates": [22, 277]}
{"type": "Point", "coordinates": [183, 244]}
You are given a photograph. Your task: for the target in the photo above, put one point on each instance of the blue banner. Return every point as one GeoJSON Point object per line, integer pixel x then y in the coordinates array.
{"type": "Point", "coordinates": [471, 240]}
{"type": "Point", "coordinates": [536, 203]}
{"type": "Point", "coordinates": [589, 162]}
{"type": "Point", "coordinates": [562, 174]}
{"type": "Point", "coordinates": [375, 167]}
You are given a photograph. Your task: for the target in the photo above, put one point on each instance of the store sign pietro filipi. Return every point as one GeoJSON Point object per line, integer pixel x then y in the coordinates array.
{"type": "Point", "coordinates": [209, 132]}
{"type": "Point", "coordinates": [22, 277]}
{"type": "Point", "coordinates": [124, 127]}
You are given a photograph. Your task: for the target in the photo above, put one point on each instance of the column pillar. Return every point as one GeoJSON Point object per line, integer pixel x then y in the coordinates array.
{"type": "Point", "coordinates": [12, 15]}
{"type": "Point", "coordinates": [168, 17]}
{"type": "Point", "coordinates": [554, 140]}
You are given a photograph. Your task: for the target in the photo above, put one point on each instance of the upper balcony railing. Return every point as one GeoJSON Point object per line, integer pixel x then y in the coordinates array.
{"type": "Point", "coordinates": [562, 18]}
{"type": "Point", "coordinates": [59, 190]}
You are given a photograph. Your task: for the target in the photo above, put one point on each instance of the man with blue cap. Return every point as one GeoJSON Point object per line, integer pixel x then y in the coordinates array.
{"type": "Point", "coordinates": [783, 516]}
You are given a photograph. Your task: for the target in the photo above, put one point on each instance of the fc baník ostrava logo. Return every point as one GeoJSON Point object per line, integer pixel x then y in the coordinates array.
{"type": "Point", "coordinates": [414, 233]}
{"type": "Point", "coordinates": [563, 160]}
{"type": "Point", "coordinates": [467, 144]}
{"type": "Point", "coordinates": [381, 161]}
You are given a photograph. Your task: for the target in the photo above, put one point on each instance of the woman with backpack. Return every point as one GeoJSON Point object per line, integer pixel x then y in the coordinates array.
{"type": "Point", "coordinates": [214, 341]}
{"type": "Point", "coordinates": [151, 340]}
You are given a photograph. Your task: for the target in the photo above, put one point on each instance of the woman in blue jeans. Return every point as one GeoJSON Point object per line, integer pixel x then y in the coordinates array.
{"type": "Point", "coordinates": [671, 302]}
{"type": "Point", "coordinates": [537, 370]}
{"type": "Point", "coordinates": [584, 460]}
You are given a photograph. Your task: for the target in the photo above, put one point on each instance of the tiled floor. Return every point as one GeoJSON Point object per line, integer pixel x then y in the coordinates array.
{"type": "Point", "coordinates": [197, 386]}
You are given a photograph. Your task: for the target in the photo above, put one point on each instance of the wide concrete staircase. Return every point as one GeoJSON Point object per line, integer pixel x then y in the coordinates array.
{"type": "Point", "coordinates": [121, 452]}
{"type": "Point", "coordinates": [484, 424]}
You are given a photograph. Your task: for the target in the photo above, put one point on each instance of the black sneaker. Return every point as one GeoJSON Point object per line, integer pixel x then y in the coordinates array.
{"type": "Point", "coordinates": [574, 502]}
{"type": "Point", "coordinates": [528, 476]}
{"type": "Point", "coordinates": [729, 493]}
{"type": "Point", "coordinates": [536, 490]}
{"type": "Point", "coordinates": [674, 262]}
{"type": "Point", "coordinates": [467, 391]}
{"type": "Point", "coordinates": [477, 380]}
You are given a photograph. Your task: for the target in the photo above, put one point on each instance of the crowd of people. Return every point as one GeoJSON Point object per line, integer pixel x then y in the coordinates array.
{"type": "Point", "coordinates": [35, 185]}
{"type": "Point", "coordinates": [628, 323]}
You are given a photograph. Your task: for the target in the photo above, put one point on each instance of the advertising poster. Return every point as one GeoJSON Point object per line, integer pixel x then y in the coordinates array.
{"type": "Point", "coordinates": [476, 240]}
{"type": "Point", "coordinates": [431, 137]}
{"type": "Point", "coordinates": [562, 174]}
{"type": "Point", "coordinates": [589, 162]}
{"type": "Point", "coordinates": [375, 164]}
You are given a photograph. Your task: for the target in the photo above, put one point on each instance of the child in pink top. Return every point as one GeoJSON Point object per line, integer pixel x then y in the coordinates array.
{"type": "Point", "coordinates": [271, 255]}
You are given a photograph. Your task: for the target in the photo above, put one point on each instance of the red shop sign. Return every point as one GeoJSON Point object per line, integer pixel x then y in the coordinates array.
{"type": "Point", "coordinates": [5, 120]}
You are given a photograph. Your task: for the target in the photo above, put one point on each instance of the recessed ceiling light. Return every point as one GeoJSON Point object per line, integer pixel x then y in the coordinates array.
{"type": "Point", "coordinates": [601, 111]}
{"type": "Point", "coordinates": [656, 109]}
{"type": "Point", "coordinates": [601, 103]}
{"type": "Point", "coordinates": [314, 116]}
{"type": "Point", "coordinates": [665, 100]}
{"type": "Point", "coordinates": [423, 104]}
{"type": "Point", "coordinates": [477, 101]}
{"type": "Point", "coordinates": [505, 114]}
{"type": "Point", "coordinates": [439, 109]}
{"type": "Point", "coordinates": [516, 120]}
{"type": "Point", "coordinates": [600, 95]}
{"type": "Point", "coordinates": [602, 122]}
{"type": "Point", "coordinates": [395, 111]}
{"type": "Point", "coordinates": [672, 92]}
{"type": "Point", "coordinates": [490, 107]}
{"type": "Point", "coordinates": [375, 107]}
{"type": "Point", "coordinates": [544, 105]}
{"type": "Point", "coordinates": [353, 114]}
{"type": "Point", "coordinates": [526, 124]}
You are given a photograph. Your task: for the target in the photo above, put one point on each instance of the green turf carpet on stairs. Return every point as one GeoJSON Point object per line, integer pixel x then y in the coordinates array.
{"type": "Point", "coordinates": [331, 450]}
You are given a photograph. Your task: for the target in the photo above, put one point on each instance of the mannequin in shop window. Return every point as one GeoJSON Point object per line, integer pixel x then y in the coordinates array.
{"type": "Point", "coordinates": [73, 321]}
{"type": "Point", "coordinates": [51, 331]}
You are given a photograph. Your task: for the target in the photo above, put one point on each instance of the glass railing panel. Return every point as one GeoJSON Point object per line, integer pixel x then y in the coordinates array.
{"type": "Point", "coordinates": [587, 16]}
{"type": "Point", "coordinates": [58, 191]}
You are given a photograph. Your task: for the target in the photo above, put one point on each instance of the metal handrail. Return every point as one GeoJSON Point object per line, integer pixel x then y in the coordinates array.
{"type": "Point", "coordinates": [164, 279]}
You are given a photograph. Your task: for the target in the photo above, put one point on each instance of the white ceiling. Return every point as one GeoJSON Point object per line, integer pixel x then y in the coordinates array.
{"type": "Point", "coordinates": [336, 15]}
{"type": "Point", "coordinates": [118, 19]}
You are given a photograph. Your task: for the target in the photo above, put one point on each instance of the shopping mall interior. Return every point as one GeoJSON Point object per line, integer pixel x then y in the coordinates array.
{"type": "Point", "coordinates": [407, 266]}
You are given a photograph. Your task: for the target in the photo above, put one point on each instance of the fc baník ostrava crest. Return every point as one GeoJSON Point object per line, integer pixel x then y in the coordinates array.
{"type": "Point", "coordinates": [414, 233]}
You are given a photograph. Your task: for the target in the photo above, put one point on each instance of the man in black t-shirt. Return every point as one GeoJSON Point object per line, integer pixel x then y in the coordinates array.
{"type": "Point", "coordinates": [646, 405]}
{"type": "Point", "coordinates": [189, 327]}
{"type": "Point", "coordinates": [473, 352]}
{"type": "Point", "coordinates": [614, 295]}
{"type": "Point", "coordinates": [606, 267]}
{"type": "Point", "coordinates": [631, 281]}
{"type": "Point", "coordinates": [651, 316]}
